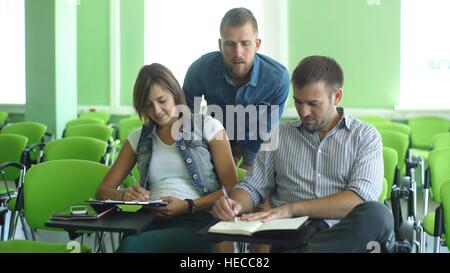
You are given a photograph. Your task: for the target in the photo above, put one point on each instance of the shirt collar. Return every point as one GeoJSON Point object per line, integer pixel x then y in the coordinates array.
{"type": "Point", "coordinates": [346, 120]}
{"type": "Point", "coordinates": [254, 76]}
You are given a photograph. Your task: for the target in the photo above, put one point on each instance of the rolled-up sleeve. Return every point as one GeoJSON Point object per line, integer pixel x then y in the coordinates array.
{"type": "Point", "coordinates": [367, 173]}
{"type": "Point", "coordinates": [259, 181]}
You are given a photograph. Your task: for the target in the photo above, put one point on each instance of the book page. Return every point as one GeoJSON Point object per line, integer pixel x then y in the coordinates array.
{"type": "Point", "coordinates": [231, 227]}
{"type": "Point", "coordinates": [283, 224]}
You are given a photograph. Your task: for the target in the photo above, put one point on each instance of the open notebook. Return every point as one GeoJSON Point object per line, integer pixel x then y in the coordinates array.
{"type": "Point", "coordinates": [249, 228]}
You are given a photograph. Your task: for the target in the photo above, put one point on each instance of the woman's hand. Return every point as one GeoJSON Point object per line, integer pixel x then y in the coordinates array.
{"type": "Point", "coordinates": [174, 207]}
{"type": "Point", "coordinates": [135, 193]}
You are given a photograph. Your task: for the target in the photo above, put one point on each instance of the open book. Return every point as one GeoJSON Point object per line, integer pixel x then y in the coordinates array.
{"type": "Point", "coordinates": [249, 228]}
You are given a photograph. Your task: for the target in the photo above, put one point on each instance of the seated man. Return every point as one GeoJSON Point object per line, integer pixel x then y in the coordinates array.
{"type": "Point", "coordinates": [326, 165]}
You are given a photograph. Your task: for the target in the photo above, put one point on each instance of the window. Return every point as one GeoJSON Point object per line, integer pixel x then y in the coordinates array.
{"type": "Point", "coordinates": [177, 32]}
{"type": "Point", "coordinates": [12, 52]}
{"type": "Point", "coordinates": [425, 54]}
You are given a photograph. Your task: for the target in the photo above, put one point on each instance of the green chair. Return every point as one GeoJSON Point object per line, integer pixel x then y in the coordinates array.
{"type": "Point", "coordinates": [98, 131]}
{"type": "Point", "coordinates": [34, 131]}
{"type": "Point", "coordinates": [422, 131]}
{"type": "Point", "coordinates": [398, 142]}
{"type": "Point", "coordinates": [3, 118]}
{"type": "Point", "coordinates": [52, 186]}
{"type": "Point", "coordinates": [98, 115]}
{"type": "Point", "coordinates": [81, 121]}
{"type": "Point", "coordinates": [390, 160]}
{"type": "Point", "coordinates": [126, 126]}
{"type": "Point", "coordinates": [85, 148]}
{"type": "Point", "coordinates": [25, 246]}
{"type": "Point", "coordinates": [11, 150]}
{"type": "Point", "coordinates": [375, 119]}
{"type": "Point", "coordinates": [443, 215]}
{"type": "Point", "coordinates": [437, 173]}
{"type": "Point", "coordinates": [241, 173]}
{"type": "Point", "coordinates": [441, 140]}
{"type": "Point", "coordinates": [394, 126]}
{"type": "Point", "coordinates": [384, 191]}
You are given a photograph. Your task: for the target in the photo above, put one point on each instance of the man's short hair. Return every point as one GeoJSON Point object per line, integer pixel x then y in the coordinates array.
{"type": "Point", "coordinates": [238, 17]}
{"type": "Point", "coordinates": [315, 69]}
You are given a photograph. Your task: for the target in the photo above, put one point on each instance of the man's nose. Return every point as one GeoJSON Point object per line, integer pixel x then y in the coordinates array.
{"type": "Point", "coordinates": [304, 111]}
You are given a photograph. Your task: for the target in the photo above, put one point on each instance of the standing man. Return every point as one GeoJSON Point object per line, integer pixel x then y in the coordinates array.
{"type": "Point", "coordinates": [327, 165]}
{"type": "Point", "coordinates": [238, 76]}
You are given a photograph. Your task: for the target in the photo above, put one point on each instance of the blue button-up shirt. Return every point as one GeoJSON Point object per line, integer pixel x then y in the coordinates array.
{"type": "Point", "coordinates": [268, 85]}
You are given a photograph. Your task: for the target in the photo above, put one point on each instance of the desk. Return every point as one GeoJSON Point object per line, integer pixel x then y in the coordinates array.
{"type": "Point", "coordinates": [279, 238]}
{"type": "Point", "coordinates": [113, 221]}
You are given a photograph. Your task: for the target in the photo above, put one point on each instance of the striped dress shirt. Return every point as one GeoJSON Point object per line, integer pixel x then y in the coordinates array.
{"type": "Point", "coordinates": [303, 167]}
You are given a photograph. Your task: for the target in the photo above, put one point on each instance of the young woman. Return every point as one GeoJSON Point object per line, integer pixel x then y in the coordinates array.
{"type": "Point", "coordinates": [183, 165]}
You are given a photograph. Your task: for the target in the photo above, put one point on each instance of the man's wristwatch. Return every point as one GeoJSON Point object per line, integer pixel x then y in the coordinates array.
{"type": "Point", "coordinates": [192, 208]}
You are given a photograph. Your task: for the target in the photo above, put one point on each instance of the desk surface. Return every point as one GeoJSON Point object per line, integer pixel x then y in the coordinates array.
{"type": "Point", "coordinates": [280, 238]}
{"type": "Point", "coordinates": [113, 221]}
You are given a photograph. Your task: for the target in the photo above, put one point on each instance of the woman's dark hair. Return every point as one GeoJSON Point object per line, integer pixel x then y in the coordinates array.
{"type": "Point", "coordinates": [149, 75]}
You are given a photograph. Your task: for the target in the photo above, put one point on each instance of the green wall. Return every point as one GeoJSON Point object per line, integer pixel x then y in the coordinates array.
{"type": "Point", "coordinates": [132, 45]}
{"type": "Point", "coordinates": [40, 60]}
{"type": "Point", "coordinates": [94, 53]}
{"type": "Point", "coordinates": [364, 39]}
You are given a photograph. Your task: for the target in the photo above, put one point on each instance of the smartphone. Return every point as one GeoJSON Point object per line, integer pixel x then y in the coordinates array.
{"type": "Point", "coordinates": [78, 210]}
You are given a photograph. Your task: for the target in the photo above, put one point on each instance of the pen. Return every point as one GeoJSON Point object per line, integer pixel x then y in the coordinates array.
{"type": "Point", "coordinates": [136, 182]}
{"type": "Point", "coordinates": [228, 202]}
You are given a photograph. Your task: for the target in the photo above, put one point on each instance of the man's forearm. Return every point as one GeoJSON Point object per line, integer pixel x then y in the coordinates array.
{"type": "Point", "coordinates": [244, 199]}
{"type": "Point", "coordinates": [336, 206]}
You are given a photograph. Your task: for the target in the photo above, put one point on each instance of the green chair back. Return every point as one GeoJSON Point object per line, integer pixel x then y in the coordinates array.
{"type": "Point", "coordinates": [375, 119]}
{"type": "Point", "coordinates": [85, 148]}
{"type": "Point", "coordinates": [97, 131]}
{"type": "Point", "coordinates": [24, 246]}
{"type": "Point", "coordinates": [394, 126]}
{"type": "Point", "coordinates": [424, 128]}
{"type": "Point", "coordinates": [53, 186]}
{"type": "Point", "coordinates": [438, 161]}
{"type": "Point", "coordinates": [126, 126]}
{"type": "Point", "coordinates": [445, 198]}
{"type": "Point", "coordinates": [390, 159]}
{"type": "Point", "coordinates": [399, 142]}
{"type": "Point", "coordinates": [241, 173]}
{"type": "Point", "coordinates": [3, 117]}
{"type": "Point", "coordinates": [384, 191]}
{"type": "Point", "coordinates": [80, 121]}
{"type": "Point", "coordinates": [441, 140]}
{"type": "Point", "coordinates": [98, 115]}
{"type": "Point", "coordinates": [11, 149]}
{"type": "Point", "coordinates": [34, 131]}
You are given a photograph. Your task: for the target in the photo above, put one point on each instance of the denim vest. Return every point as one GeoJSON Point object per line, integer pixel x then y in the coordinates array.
{"type": "Point", "coordinates": [193, 148]}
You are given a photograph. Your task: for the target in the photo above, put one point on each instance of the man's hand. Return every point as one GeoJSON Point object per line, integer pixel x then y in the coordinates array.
{"type": "Point", "coordinates": [224, 210]}
{"type": "Point", "coordinates": [266, 216]}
